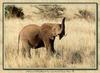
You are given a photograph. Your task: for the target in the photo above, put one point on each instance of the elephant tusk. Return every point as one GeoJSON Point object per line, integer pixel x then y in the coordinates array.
{"type": "Point", "coordinates": [65, 34]}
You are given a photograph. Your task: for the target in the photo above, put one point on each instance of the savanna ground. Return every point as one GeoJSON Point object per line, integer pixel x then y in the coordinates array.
{"type": "Point", "coordinates": [77, 49]}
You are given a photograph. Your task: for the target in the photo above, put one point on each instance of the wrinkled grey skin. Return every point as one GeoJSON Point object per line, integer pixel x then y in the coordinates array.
{"type": "Point", "coordinates": [33, 36]}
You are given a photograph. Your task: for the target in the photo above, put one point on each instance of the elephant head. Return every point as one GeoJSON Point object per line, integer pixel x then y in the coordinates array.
{"type": "Point", "coordinates": [59, 29]}
{"type": "Point", "coordinates": [51, 30]}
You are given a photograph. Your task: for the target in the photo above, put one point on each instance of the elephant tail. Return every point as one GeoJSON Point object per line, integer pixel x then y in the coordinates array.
{"type": "Point", "coordinates": [18, 44]}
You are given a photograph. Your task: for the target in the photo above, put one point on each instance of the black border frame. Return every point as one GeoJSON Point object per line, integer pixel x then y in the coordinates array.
{"type": "Point", "coordinates": [50, 3]}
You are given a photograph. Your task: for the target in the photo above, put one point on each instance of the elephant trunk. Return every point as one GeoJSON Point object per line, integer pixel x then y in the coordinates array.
{"type": "Point", "coordinates": [62, 29]}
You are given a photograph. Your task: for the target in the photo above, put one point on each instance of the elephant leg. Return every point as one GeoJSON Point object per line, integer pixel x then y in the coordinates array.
{"type": "Point", "coordinates": [52, 45]}
{"type": "Point", "coordinates": [23, 52]}
{"type": "Point", "coordinates": [29, 52]}
{"type": "Point", "coordinates": [49, 47]}
{"type": "Point", "coordinates": [53, 50]}
{"type": "Point", "coordinates": [27, 49]}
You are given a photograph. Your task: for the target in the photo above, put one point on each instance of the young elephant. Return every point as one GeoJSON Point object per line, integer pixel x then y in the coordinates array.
{"type": "Point", "coordinates": [33, 36]}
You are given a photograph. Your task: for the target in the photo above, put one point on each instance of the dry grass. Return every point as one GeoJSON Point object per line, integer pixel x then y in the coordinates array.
{"type": "Point", "coordinates": [77, 48]}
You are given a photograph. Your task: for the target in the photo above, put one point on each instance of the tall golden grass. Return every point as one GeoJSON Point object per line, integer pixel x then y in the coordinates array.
{"type": "Point", "coordinates": [77, 49]}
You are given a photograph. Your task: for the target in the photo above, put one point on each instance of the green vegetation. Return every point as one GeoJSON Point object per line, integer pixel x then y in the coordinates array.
{"type": "Point", "coordinates": [13, 11]}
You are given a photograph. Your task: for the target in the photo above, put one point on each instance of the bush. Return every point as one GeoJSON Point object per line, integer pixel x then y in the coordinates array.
{"type": "Point", "coordinates": [76, 57]}
{"type": "Point", "coordinates": [50, 11]}
{"type": "Point", "coordinates": [13, 11]}
{"type": "Point", "coordinates": [85, 14]}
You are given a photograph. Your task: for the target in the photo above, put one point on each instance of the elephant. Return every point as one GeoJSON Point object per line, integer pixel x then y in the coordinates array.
{"type": "Point", "coordinates": [34, 36]}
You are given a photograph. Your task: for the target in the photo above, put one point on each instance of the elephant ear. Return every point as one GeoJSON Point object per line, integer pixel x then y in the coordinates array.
{"type": "Point", "coordinates": [63, 28]}
{"type": "Point", "coordinates": [46, 31]}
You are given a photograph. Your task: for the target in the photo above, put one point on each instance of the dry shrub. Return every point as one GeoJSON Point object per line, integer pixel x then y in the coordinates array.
{"type": "Point", "coordinates": [85, 14]}
{"type": "Point", "coordinates": [50, 11]}
{"type": "Point", "coordinates": [76, 57]}
{"type": "Point", "coordinates": [13, 11]}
